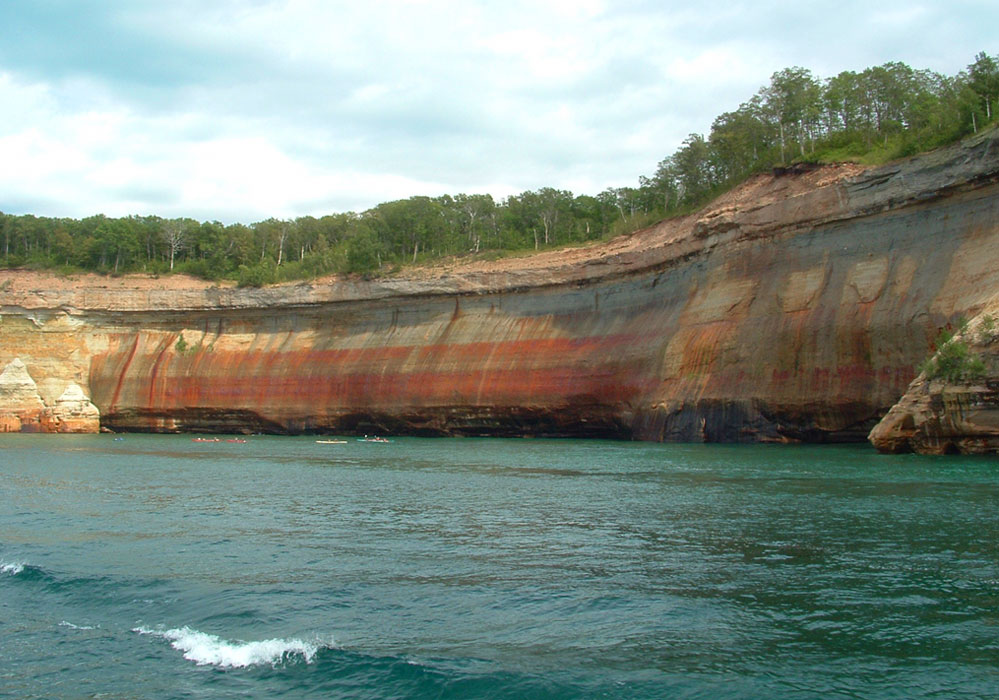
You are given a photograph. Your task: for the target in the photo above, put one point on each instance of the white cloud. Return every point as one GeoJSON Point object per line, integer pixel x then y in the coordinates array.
{"type": "Point", "coordinates": [247, 109]}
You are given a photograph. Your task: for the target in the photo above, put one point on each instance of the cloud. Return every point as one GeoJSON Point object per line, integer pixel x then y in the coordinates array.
{"type": "Point", "coordinates": [246, 109]}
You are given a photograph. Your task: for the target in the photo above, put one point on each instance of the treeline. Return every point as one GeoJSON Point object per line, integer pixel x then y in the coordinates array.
{"type": "Point", "coordinates": [882, 113]}
{"type": "Point", "coordinates": [384, 237]}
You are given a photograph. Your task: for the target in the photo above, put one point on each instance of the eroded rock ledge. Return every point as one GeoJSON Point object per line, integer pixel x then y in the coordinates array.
{"type": "Point", "coordinates": [796, 307]}
{"type": "Point", "coordinates": [950, 416]}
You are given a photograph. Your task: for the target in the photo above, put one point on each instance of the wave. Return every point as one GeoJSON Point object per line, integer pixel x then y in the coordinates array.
{"type": "Point", "coordinates": [11, 568]}
{"type": "Point", "coordinates": [77, 627]}
{"type": "Point", "coordinates": [54, 581]}
{"type": "Point", "coordinates": [209, 649]}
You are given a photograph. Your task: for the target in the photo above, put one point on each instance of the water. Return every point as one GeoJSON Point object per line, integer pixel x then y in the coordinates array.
{"type": "Point", "coordinates": [159, 567]}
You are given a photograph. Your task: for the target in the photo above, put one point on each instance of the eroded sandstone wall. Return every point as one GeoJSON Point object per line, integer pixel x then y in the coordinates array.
{"type": "Point", "coordinates": [794, 308]}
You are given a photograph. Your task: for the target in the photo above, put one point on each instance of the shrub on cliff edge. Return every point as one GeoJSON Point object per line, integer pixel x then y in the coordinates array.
{"type": "Point", "coordinates": [953, 360]}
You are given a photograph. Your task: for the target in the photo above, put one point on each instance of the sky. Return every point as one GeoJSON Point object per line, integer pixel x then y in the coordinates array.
{"type": "Point", "coordinates": [242, 110]}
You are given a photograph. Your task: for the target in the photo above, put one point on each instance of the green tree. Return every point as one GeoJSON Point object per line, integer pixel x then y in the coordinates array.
{"type": "Point", "coordinates": [983, 79]}
{"type": "Point", "coordinates": [114, 245]}
{"type": "Point", "coordinates": [738, 143]}
{"type": "Point", "coordinates": [364, 250]}
{"type": "Point", "coordinates": [591, 218]}
{"type": "Point", "coordinates": [474, 215]}
{"type": "Point", "coordinates": [794, 102]}
{"type": "Point", "coordinates": [63, 246]}
{"type": "Point", "coordinates": [692, 165]}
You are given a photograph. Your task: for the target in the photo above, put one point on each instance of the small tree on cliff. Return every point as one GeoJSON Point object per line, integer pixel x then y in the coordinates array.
{"type": "Point", "coordinates": [174, 237]}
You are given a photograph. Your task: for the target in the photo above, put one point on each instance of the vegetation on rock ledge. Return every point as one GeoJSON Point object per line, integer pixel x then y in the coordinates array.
{"type": "Point", "coordinates": [954, 361]}
{"type": "Point", "coordinates": [882, 113]}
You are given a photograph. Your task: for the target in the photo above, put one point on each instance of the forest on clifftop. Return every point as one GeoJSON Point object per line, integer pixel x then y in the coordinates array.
{"type": "Point", "coordinates": [874, 116]}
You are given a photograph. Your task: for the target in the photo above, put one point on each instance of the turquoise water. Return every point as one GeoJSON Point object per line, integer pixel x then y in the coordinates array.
{"type": "Point", "coordinates": [159, 567]}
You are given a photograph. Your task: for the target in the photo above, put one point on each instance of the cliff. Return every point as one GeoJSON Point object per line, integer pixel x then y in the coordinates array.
{"type": "Point", "coordinates": [796, 307]}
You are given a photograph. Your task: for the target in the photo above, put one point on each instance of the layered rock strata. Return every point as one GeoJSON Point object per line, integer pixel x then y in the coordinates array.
{"type": "Point", "coordinates": [23, 410]}
{"type": "Point", "coordinates": [957, 415]}
{"type": "Point", "coordinates": [796, 307]}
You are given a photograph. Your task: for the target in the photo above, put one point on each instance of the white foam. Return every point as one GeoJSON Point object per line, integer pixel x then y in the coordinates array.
{"type": "Point", "coordinates": [76, 627]}
{"type": "Point", "coordinates": [204, 649]}
{"type": "Point", "coordinates": [11, 568]}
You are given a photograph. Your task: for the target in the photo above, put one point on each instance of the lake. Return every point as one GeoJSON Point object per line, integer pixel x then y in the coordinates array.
{"type": "Point", "coordinates": [151, 566]}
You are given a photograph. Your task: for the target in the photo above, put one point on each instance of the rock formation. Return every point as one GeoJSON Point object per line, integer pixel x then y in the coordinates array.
{"type": "Point", "coordinates": [23, 410]}
{"type": "Point", "coordinates": [74, 413]}
{"type": "Point", "coordinates": [941, 415]}
{"type": "Point", "coordinates": [795, 308]}
{"type": "Point", "coordinates": [21, 407]}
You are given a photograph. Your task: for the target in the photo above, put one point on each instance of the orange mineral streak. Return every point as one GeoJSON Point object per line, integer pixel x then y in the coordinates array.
{"type": "Point", "coordinates": [304, 381]}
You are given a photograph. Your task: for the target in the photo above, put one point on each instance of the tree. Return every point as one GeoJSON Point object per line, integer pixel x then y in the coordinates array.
{"type": "Point", "coordinates": [692, 167]}
{"type": "Point", "coordinates": [589, 218]}
{"type": "Point", "coordinates": [474, 209]}
{"type": "Point", "coordinates": [841, 102]}
{"type": "Point", "coordinates": [363, 250]}
{"type": "Point", "coordinates": [793, 99]}
{"type": "Point", "coordinates": [553, 205]}
{"type": "Point", "coordinates": [518, 222]}
{"type": "Point", "coordinates": [983, 79]}
{"type": "Point", "coordinates": [114, 239]}
{"type": "Point", "coordinates": [63, 248]}
{"type": "Point", "coordinates": [738, 142]}
{"type": "Point", "coordinates": [665, 183]}
{"type": "Point", "coordinates": [174, 236]}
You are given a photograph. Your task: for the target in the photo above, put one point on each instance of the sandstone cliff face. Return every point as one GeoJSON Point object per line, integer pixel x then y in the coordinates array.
{"type": "Point", "coordinates": [794, 308]}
